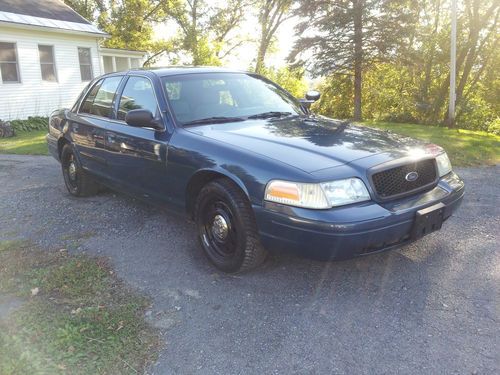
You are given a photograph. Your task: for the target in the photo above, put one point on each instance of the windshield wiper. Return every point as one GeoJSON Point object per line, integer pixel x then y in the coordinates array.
{"type": "Point", "coordinates": [270, 114]}
{"type": "Point", "coordinates": [214, 120]}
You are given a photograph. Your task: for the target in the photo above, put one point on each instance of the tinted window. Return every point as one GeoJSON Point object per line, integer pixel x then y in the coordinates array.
{"type": "Point", "coordinates": [86, 106]}
{"type": "Point", "coordinates": [47, 63]}
{"type": "Point", "coordinates": [9, 70]}
{"type": "Point", "coordinates": [103, 100]}
{"type": "Point", "coordinates": [137, 94]}
{"type": "Point", "coordinates": [85, 59]}
{"type": "Point", "coordinates": [198, 96]}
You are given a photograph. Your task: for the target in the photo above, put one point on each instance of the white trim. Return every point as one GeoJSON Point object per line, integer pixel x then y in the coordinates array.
{"type": "Point", "coordinates": [121, 52]}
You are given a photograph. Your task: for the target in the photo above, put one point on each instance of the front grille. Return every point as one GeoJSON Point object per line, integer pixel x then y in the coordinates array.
{"type": "Point", "coordinates": [392, 182]}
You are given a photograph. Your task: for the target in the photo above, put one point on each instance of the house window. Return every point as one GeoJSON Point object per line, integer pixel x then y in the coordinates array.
{"type": "Point", "coordinates": [85, 63]}
{"type": "Point", "coordinates": [47, 63]}
{"type": "Point", "coordinates": [9, 68]}
{"type": "Point", "coordinates": [121, 64]}
{"type": "Point", "coordinates": [135, 63]}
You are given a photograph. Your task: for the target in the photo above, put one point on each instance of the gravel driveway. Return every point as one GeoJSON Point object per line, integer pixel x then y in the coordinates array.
{"type": "Point", "coordinates": [432, 307]}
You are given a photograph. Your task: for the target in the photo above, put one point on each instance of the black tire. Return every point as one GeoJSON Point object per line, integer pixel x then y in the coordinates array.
{"type": "Point", "coordinates": [226, 227]}
{"type": "Point", "coordinates": [78, 182]}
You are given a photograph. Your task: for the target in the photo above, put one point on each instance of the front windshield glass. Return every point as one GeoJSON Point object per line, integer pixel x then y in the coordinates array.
{"type": "Point", "coordinates": [195, 97]}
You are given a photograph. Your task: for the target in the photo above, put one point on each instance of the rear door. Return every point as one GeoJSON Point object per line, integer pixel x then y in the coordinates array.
{"type": "Point", "coordinates": [89, 126]}
{"type": "Point", "coordinates": [137, 156]}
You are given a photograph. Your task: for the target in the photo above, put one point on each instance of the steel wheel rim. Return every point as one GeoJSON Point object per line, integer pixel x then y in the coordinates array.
{"type": "Point", "coordinates": [71, 172]}
{"type": "Point", "coordinates": [219, 234]}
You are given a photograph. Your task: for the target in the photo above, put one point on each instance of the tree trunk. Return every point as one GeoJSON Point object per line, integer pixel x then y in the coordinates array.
{"type": "Point", "coordinates": [261, 55]}
{"type": "Point", "coordinates": [358, 57]}
{"type": "Point", "coordinates": [431, 53]}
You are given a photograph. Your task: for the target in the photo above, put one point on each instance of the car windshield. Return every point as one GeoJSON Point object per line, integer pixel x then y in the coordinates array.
{"type": "Point", "coordinates": [215, 97]}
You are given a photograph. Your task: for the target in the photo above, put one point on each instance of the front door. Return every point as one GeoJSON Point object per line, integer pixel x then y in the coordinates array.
{"type": "Point", "coordinates": [137, 156]}
{"type": "Point", "coordinates": [88, 127]}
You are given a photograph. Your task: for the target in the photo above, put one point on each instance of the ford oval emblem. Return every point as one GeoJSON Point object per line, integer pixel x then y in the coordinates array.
{"type": "Point", "coordinates": [412, 176]}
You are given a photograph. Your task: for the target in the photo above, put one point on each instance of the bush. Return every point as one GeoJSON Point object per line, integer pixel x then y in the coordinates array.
{"type": "Point", "coordinates": [494, 127]}
{"type": "Point", "coordinates": [32, 123]}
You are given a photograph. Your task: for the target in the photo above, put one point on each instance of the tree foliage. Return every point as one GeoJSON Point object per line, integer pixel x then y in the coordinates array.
{"type": "Point", "coordinates": [290, 78]}
{"type": "Point", "coordinates": [206, 31]}
{"type": "Point", "coordinates": [272, 14]}
{"type": "Point", "coordinates": [347, 36]}
{"type": "Point", "coordinates": [383, 59]}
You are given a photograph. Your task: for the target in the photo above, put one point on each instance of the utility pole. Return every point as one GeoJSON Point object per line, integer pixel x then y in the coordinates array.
{"type": "Point", "coordinates": [453, 64]}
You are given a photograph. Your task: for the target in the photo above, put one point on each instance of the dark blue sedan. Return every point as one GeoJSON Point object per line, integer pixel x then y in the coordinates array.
{"type": "Point", "coordinates": [251, 165]}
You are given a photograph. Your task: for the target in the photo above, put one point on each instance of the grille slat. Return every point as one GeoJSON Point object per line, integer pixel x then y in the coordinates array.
{"type": "Point", "coordinates": [392, 182]}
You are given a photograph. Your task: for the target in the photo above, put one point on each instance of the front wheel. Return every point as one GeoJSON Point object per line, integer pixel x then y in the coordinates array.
{"type": "Point", "coordinates": [226, 227]}
{"type": "Point", "coordinates": [78, 182]}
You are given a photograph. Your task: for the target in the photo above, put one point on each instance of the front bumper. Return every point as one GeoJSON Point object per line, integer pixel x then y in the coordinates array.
{"type": "Point", "coordinates": [354, 230]}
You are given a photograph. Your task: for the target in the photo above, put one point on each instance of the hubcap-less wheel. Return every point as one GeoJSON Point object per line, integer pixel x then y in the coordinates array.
{"type": "Point", "coordinates": [70, 172]}
{"type": "Point", "coordinates": [219, 233]}
{"type": "Point", "coordinates": [77, 181]}
{"type": "Point", "coordinates": [227, 228]}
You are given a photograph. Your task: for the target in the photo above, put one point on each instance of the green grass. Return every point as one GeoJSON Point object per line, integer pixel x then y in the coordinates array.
{"type": "Point", "coordinates": [82, 320]}
{"type": "Point", "coordinates": [465, 147]}
{"type": "Point", "coordinates": [25, 143]}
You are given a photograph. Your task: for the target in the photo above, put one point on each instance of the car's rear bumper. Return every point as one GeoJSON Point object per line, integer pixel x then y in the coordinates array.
{"type": "Point", "coordinates": [354, 230]}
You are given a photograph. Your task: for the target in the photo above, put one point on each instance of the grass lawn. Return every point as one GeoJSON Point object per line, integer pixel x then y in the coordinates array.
{"type": "Point", "coordinates": [76, 316]}
{"type": "Point", "coordinates": [27, 143]}
{"type": "Point", "coordinates": [464, 147]}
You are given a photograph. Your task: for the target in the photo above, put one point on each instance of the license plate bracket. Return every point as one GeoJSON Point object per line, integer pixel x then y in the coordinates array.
{"type": "Point", "coordinates": [428, 220]}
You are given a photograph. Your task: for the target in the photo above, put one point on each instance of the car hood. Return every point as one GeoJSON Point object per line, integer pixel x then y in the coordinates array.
{"type": "Point", "coordinates": [310, 143]}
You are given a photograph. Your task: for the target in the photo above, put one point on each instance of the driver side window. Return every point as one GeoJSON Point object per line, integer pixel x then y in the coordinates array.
{"type": "Point", "coordinates": [137, 94]}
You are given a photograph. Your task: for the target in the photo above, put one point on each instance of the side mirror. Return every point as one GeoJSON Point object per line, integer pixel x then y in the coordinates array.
{"type": "Point", "coordinates": [313, 95]}
{"type": "Point", "coordinates": [142, 118]}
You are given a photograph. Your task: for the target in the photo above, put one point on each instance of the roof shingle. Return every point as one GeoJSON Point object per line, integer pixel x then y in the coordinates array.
{"type": "Point", "coordinates": [52, 9]}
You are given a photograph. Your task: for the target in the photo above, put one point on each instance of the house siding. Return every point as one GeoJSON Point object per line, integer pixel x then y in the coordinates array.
{"type": "Point", "coordinates": [32, 96]}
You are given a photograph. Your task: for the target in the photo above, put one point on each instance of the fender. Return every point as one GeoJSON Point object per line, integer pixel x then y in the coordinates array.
{"type": "Point", "coordinates": [218, 169]}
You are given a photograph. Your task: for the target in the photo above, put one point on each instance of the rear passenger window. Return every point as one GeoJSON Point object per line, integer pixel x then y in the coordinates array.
{"type": "Point", "coordinates": [86, 106]}
{"type": "Point", "coordinates": [137, 94]}
{"type": "Point", "coordinates": [99, 100]}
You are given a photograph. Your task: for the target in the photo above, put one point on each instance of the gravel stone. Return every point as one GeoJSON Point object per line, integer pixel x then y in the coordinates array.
{"type": "Point", "coordinates": [431, 307]}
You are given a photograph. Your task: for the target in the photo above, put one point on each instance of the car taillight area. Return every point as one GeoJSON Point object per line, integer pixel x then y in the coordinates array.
{"type": "Point", "coordinates": [406, 179]}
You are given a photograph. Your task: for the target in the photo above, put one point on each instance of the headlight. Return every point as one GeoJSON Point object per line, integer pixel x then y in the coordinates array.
{"type": "Point", "coordinates": [347, 191]}
{"type": "Point", "coordinates": [317, 196]}
{"type": "Point", "coordinates": [443, 164]}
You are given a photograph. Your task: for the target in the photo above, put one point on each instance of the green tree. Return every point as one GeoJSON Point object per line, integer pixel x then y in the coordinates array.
{"type": "Point", "coordinates": [272, 14]}
{"type": "Point", "coordinates": [205, 29]}
{"type": "Point", "coordinates": [346, 36]}
{"type": "Point", "coordinates": [291, 79]}
{"type": "Point", "coordinates": [130, 23]}
{"type": "Point", "coordinates": [88, 9]}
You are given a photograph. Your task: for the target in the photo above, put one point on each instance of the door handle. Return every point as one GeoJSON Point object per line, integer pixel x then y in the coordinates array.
{"type": "Point", "coordinates": [110, 138]}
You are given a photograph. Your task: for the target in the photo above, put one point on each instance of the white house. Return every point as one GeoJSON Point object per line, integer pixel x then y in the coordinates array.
{"type": "Point", "coordinates": [48, 54]}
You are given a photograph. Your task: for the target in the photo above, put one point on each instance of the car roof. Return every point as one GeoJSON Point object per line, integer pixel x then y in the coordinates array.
{"type": "Point", "coordinates": [174, 70]}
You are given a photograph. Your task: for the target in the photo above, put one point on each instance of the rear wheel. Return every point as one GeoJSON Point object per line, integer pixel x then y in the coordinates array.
{"type": "Point", "coordinates": [78, 182]}
{"type": "Point", "coordinates": [226, 227]}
